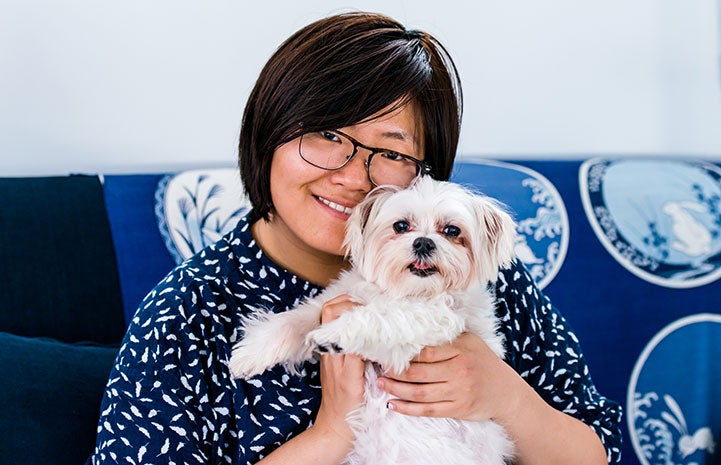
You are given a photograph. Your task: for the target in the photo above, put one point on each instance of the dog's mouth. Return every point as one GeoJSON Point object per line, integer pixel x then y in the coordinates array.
{"type": "Point", "coordinates": [422, 269]}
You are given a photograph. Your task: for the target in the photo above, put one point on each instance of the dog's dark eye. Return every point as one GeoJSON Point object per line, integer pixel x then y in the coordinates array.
{"type": "Point", "coordinates": [452, 231]}
{"type": "Point", "coordinates": [401, 226]}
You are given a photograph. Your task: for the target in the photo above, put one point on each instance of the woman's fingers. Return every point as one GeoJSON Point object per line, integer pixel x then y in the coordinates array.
{"type": "Point", "coordinates": [335, 307]}
{"type": "Point", "coordinates": [455, 380]}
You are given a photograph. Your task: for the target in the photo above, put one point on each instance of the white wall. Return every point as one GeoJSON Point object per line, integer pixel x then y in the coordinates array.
{"type": "Point", "coordinates": [138, 85]}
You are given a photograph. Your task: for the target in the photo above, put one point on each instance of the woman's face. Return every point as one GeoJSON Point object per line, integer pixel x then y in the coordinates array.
{"type": "Point", "coordinates": [312, 204]}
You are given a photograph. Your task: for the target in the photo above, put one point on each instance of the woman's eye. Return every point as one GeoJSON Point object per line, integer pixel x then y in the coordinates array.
{"type": "Point", "coordinates": [328, 135]}
{"type": "Point", "coordinates": [392, 156]}
{"type": "Point", "coordinates": [452, 231]}
{"type": "Point", "coordinates": [401, 226]}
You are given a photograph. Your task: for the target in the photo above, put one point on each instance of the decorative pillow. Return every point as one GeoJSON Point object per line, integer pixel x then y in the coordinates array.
{"type": "Point", "coordinates": [50, 396]}
{"type": "Point", "coordinates": [59, 275]}
{"type": "Point", "coordinates": [160, 220]}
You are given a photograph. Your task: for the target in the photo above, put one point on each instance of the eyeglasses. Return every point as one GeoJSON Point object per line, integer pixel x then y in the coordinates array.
{"type": "Point", "coordinates": [332, 150]}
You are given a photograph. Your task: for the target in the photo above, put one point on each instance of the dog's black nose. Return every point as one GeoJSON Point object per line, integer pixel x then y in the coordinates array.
{"type": "Point", "coordinates": [423, 246]}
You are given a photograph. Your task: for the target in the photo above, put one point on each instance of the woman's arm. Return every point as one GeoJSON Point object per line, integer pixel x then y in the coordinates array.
{"type": "Point", "coordinates": [466, 380]}
{"type": "Point", "coordinates": [330, 438]}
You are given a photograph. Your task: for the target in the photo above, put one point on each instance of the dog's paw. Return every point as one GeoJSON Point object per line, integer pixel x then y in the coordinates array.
{"type": "Point", "coordinates": [332, 349]}
{"type": "Point", "coordinates": [324, 340]}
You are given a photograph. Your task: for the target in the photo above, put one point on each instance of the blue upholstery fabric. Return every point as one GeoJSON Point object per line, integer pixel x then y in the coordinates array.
{"type": "Point", "coordinates": [632, 328]}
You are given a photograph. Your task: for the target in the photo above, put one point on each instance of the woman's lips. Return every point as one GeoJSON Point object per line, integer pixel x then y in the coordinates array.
{"type": "Point", "coordinates": [335, 206]}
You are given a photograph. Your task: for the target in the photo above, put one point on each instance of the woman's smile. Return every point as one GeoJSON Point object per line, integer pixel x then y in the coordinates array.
{"type": "Point", "coordinates": [345, 211]}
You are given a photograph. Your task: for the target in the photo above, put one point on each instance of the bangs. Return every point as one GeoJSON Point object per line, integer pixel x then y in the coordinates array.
{"type": "Point", "coordinates": [347, 92]}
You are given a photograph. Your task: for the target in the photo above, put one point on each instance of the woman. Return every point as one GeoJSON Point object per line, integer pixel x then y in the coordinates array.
{"type": "Point", "coordinates": [388, 100]}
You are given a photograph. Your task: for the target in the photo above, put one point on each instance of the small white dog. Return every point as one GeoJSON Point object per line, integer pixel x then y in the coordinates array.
{"type": "Point", "coordinates": [422, 260]}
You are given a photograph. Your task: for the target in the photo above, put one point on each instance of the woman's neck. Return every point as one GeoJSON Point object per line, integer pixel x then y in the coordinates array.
{"type": "Point", "coordinates": [315, 266]}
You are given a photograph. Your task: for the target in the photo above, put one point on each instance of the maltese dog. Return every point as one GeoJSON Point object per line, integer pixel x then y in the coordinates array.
{"type": "Point", "coordinates": [422, 260]}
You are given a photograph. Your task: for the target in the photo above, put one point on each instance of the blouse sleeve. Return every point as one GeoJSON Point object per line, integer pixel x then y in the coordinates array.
{"type": "Point", "coordinates": [543, 349]}
{"type": "Point", "coordinates": [156, 405]}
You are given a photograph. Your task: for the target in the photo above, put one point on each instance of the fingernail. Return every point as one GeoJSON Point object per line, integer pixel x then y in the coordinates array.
{"type": "Point", "coordinates": [380, 383]}
{"type": "Point", "coordinates": [390, 406]}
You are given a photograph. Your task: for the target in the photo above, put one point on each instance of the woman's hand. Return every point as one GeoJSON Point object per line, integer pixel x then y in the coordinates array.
{"type": "Point", "coordinates": [463, 379]}
{"type": "Point", "coordinates": [342, 381]}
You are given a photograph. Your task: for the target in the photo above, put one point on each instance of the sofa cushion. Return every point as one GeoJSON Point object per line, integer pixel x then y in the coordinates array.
{"type": "Point", "coordinates": [57, 261]}
{"type": "Point", "coordinates": [50, 399]}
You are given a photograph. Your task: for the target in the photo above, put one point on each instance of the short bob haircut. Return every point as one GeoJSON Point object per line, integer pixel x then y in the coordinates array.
{"type": "Point", "coordinates": [337, 72]}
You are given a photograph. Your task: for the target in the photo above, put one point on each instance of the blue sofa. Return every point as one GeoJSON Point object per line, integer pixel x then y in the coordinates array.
{"type": "Point", "coordinates": [628, 249]}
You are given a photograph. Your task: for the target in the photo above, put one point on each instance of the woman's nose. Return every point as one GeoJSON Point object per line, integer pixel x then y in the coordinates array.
{"type": "Point", "coordinates": [354, 175]}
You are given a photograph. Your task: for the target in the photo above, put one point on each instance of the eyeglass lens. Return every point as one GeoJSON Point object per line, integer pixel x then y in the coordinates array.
{"type": "Point", "coordinates": [330, 150]}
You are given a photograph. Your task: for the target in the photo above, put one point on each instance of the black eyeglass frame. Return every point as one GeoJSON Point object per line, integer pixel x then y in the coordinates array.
{"type": "Point", "coordinates": [422, 168]}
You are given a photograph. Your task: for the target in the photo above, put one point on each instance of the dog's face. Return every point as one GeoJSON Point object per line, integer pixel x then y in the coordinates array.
{"type": "Point", "coordinates": [432, 236]}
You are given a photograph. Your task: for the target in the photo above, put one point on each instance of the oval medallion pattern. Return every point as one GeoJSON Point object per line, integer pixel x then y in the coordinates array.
{"type": "Point", "coordinates": [673, 407]}
{"type": "Point", "coordinates": [537, 207]}
{"type": "Point", "coordinates": [660, 219]}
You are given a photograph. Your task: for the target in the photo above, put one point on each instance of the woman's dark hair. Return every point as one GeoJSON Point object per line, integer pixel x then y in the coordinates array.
{"type": "Point", "coordinates": [339, 71]}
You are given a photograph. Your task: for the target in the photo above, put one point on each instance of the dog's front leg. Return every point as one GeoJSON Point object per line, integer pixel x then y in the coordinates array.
{"type": "Point", "coordinates": [271, 338]}
{"type": "Point", "coordinates": [381, 332]}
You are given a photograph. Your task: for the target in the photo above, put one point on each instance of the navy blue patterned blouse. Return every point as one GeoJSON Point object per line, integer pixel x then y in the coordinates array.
{"type": "Point", "coordinates": [170, 398]}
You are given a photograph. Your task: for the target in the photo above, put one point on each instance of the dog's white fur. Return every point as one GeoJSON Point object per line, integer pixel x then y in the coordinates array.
{"type": "Point", "coordinates": [402, 309]}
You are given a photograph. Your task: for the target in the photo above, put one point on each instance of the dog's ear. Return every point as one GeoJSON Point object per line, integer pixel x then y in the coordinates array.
{"type": "Point", "coordinates": [359, 218]}
{"type": "Point", "coordinates": [497, 238]}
